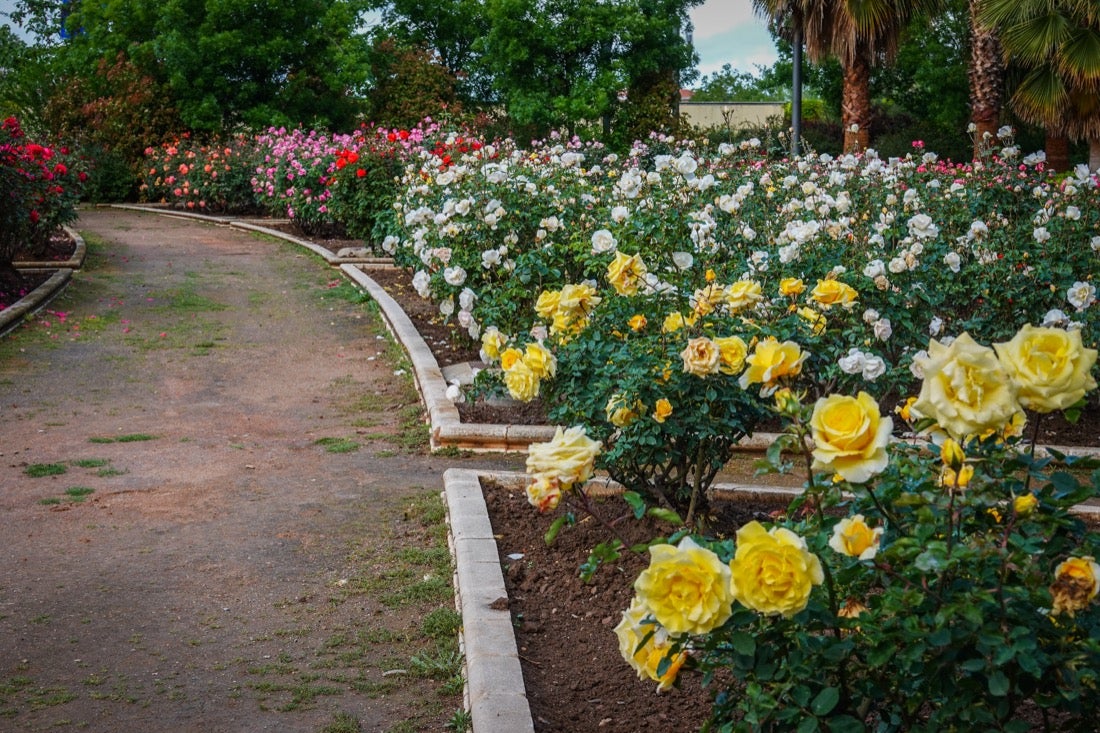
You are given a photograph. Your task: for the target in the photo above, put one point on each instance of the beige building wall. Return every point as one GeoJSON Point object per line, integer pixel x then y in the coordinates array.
{"type": "Point", "coordinates": [741, 114]}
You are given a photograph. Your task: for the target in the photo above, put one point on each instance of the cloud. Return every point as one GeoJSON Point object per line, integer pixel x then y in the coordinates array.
{"type": "Point", "coordinates": [743, 48]}
{"type": "Point", "coordinates": [716, 17]}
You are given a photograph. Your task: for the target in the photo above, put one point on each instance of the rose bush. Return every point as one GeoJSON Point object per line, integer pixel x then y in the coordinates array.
{"type": "Point", "coordinates": [904, 598]}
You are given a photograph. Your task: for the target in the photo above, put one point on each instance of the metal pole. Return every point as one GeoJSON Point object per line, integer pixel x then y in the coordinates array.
{"type": "Point", "coordinates": [796, 94]}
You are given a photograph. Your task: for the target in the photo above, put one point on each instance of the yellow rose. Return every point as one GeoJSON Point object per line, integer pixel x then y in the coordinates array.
{"type": "Point", "coordinates": [492, 340]}
{"type": "Point", "coordinates": [815, 320]}
{"type": "Point", "coordinates": [773, 572]}
{"type": "Point", "coordinates": [568, 457]}
{"type": "Point", "coordinates": [708, 298]}
{"type": "Point", "coordinates": [791, 287]}
{"type": "Point", "coordinates": [1025, 504]}
{"type": "Point", "coordinates": [619, 413]}
{"type": "Point", "coordinates": [1076, 582]}
{"type": "Point", "coordinates": [965, 389]}
{"type": "Point", "coordinates": [852, 537]}
{"type": "Point", "coordinates": [547, 304]}
{"type": "Point", "coordinates": [743, 294]}
{"type": "Point", "coordinates": [960, 479]}
{"type": "Point", "coordinates": [1051, 366]}
{"type": "Point", "coordinates": [644, 645]}
{"type": "Point", "coordinates": [686, 588]}
{"type": "Point", "coordinates": [731, 354]}
{"type": "Point", "coordinates": [540, 360]}
{"type": "Point", "coordinates": [701, 357]}
{"type": "Point", "coordinates": [544, 494]}
{"type": "Point", "coordinates": [578, 300]}
{"type": "Point", "coordinates": [626, 273]}
{"type": "Point", "coordinates": [521, 381]}
{"type": "Point", "coordinates": [675, 321]}
{"type": "Point", "coordinates": [850, 436]}
{"type": "Point", "coordinates": [771, 361]}
{"type": "Point", "coordinates": [637, 322]}
{"type": "Point", "coordinates": [952, 455]}
{"type": "Point", "coordinates": [509, 357]}
{"type": "Point", "coordinates": [833, 292]}
{"type": "Point", "coordinates": [662, 410]}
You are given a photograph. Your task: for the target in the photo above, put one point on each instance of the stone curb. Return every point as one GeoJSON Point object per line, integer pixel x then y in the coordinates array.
{"type": "Point", "coordinates": [13, 316]}
{"type": "Point", "coordinates": [73, 263]}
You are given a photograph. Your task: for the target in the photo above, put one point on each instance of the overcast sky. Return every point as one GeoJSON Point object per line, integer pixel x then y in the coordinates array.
{"type": "Point", "coordinates": [726, 32]}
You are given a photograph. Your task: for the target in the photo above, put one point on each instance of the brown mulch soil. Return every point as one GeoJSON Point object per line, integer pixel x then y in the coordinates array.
{"type": "Point", "coordinates": [59, 248]}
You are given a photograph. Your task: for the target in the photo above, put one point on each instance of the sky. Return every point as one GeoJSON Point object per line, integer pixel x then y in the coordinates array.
{"type": "Point", "coordinates": [726, 32]}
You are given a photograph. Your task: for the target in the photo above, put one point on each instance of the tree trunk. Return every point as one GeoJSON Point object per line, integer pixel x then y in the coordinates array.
{"type": "Point", "coordinates": [1057, 150]}
{"type": "Point", "coordinates": [1094, 154]}
{"type": "Point", "coordinates": [855, 106]}
{"type": "Point", "coordinates": [986, 75]}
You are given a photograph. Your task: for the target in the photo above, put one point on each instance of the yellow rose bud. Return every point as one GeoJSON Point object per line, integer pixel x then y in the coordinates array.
{"type": "Point", "coordinates": [686, 588]}
{"type": "Point", "coordinates": [965, 389]}
{"type": "Point", "coordinates": [787, 402]}
{"type": "Point", "coordinates": [957, 479]}
{"type": "Point", "coordinates": [771, 361]}
{"type": "Point", "coordinates": [905, 410]}
{"type": "Point", "coordinates": [852, 537]}
{"type": "Point", "coordinates": [1051, 366]}
{"type": "Point", "coordinates": [850, 436]}
{"type": "Point", "coordinates": [569, 457]}
{"type": "Point", "coordinates": [711, 275]}
{"type": "Point", "coordinates": [1076, 582]}
{"type": "Point", "coordinates": [619, 413]}
{"type": "Point", "coordinates": [644, 645]}
{"type": "Point", "coordinates": [791, 287]}
{"type": "Point", "coordinates": [952, 455]}
{"type": "Point", "coordinates": [637, 322]}
{"type": "Point", "coordinates": [662, 410]}
{"type": "Point", "coordinates": [833, 292]}
{"type": "Point", "coordinates": [544, 494]}
{"type": "Point", "coordinates": [1025, 504]}
{"type": "Point", "coordinates": [773, 571]}
{"type": "Point", "coordinates": [701, 357]}
{"type": "Point", "coordinates": [732, 352]}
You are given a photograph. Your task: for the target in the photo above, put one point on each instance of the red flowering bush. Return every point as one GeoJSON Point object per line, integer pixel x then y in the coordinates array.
{"type": "Point", "coordinates": [38, 193]}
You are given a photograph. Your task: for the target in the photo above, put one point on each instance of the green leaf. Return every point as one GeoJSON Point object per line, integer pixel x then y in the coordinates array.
{"type": "Point", "coordinates": [636, 503]}
{"type": "Point", "coordinates": [665, 515]}
{"type": "Point", "coordinates": [998, 684]}
{"type": "Point", "coordinates": [808, 725]}
{"type": "Point", "coordinates": [825, 701]}
{"type": "Point", "coordinates": [743, 643]}
{"type": "Point", "coordinates": [845, 724]}
{"type": "Point", "coordinates": [555, 527]}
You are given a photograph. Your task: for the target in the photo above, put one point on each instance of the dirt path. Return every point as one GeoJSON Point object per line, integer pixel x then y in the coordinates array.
{"type": "Point", "coordinates": [227, 571]}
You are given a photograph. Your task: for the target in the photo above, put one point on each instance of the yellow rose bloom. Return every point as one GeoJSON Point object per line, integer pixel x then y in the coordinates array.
{"type": "Point", "coordinates": [773, 571]}
{"type": "Point", "coordinates": [1025, 504]}
{"type": "Point", "coordinates": [619, 413]}
{"type": "Point", "coordinates": [708, 298]}
{"type": "Point", "coordinates": [492, 340]}
{"type": "Point", "coordinates": [850, 436]}
{"type": "Point", "coordinates": [544, 494]}
{"type": "Point", "coordinates": [743, 294]}
{"type": "Point", "coordinates": [732, 352]}
{"type": "Point", "coordinates": [833, 292]}
{"type": "Point", "coordinates": [637, 322]}
{"type": "Point", "coordinates": [522, 382]}
{"type": "Point", "coordinates": [791, 287]}
{"type": "Point", "coordinates": [540, 360]}
{"type": "Point", "coordinates": [547, 304]}
{"type": "Point", "coordinates": [662, 410]}
{"type": "Point", "coordinates": [569, 457]}
{"type": "Point", "coordinates": [852, 537]}
{"type": "Point", "coordinates": [1051, 366]}
{"type": "Point", "coordinates": [509, 357]}
{"type": "Point", "coordinates": [701, 357]}
{"type": "Point", "coordinates": [646, 657]}
{"type": "Point", "coordinates": [965, 389]}
{"type": "Point", "coordinates": [675, 321]}
{"type": "Point", "coordinates": [578, 300]}
{"type": "Point", "coordinates": [686, 588]}
{"type": "Point", "coordinates": [816, 321]}
{"type": "Point", "coordinates": [1076, 582]}
{"type": "Point", "coordinates": [626, 273]}
{"type": "Point", "coordinates": [771, 361]}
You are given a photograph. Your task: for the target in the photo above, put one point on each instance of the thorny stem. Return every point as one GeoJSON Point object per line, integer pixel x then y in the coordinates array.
{"type": "Point", "coordinates": [586, 505]}
{"type": "Point", "coordinates": [697, 488]}
{"type": "Point", "coordinates": [1034, 442]}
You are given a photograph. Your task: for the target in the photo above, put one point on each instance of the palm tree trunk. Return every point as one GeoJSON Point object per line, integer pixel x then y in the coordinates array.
{"type": "Point", "coordinates": [1094, 154]}
{"type": "Point", "coordinates": [855, 108]}
{"type": "Point", "coordinates": [1057, 150]}
{"type": "Point", "coordinates": [986, 75]}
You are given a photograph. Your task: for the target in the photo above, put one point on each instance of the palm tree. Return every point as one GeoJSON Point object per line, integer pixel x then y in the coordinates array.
{"type": "Point", "coordinates": [1056, 44]}
{"type": "Point", "coordinates": [987, 78]}
{"type": "Point", "coordinates": [860, 33]}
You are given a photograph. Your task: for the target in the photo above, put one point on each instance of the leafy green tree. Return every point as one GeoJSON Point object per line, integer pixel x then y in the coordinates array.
{"type": "Point", "coordinates": [407, 85]}
{"type": "Point", "coordinates": [730, 85]}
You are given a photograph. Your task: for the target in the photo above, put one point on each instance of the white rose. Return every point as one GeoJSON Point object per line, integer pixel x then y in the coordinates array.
{"type": "Point", "coordinates": [603, 241]}
{"type": "Point", "coordinates": [853, 363]}
{"type": "Point", "coordinates": [422, 283]}
{"type": "Point", "coordinates": [922, 226]}
{"type": "Point", "coordinates": [873, 367]}
{"type": "Point", "coordinates": [883, 329]}
{"type": "Point", "coordinates": [682, 260]}
{"type": "Point", "coordinates": [1041, 234]}
{"type": "Point", "coordinates": [916, 368]}
{"type": "Point", "coordinates": [1055, 317]}
{"type": "Point", "coordinates": [454, 276]}
{"type": "Point", "coordinates": [897, 265]}
{"type": "Point", "coordinates": [619, 214]}
{"type": "Point", "coordinates": [874, 268]}
{"type": "Point", "coordinates": [1081, 295]}
{"type": "Point", "coordinates": [447, 307]}
{"type": "Point", "coordinates": [935, 326]}
{"type": "Point", "coordinates": [870, 316]}
{"type": "Point", "coordinates": [466, 299]}
{"type": "Point", "coordinates": [490, 258]}
{"type": "Point", "coordinates": [953, 261]}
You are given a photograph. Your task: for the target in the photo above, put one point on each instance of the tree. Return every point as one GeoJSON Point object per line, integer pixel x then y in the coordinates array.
{"type": "Point", "coordinates": [860, 33]}
{"type": "Point", "coordinates": [987, 77]}
{"type": "Point", "coordinates": [1056, 45]}
{"type": "Point", "coordinates": [408, 84]}
{"type": "Point", "coordinates": [729, 85]}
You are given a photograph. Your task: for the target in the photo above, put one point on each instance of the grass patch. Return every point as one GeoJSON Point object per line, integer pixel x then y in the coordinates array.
{"type": "Point", "coordinates": [90, 462]}
{"type": "Point", "coordinates": [442, 623]}
{"type": "Point", "coordinates": [41, 470]}
{"type": "Point", "coordinates": [78, 493]}
{"type": "Point", "coordinates": [108, 472]}
{"type": "Point", "coordinates": [343, 723]}
{"type": "Point", "coordinates": [337, 445]}
{"type": "Point", "coordinates": [130, 438]}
